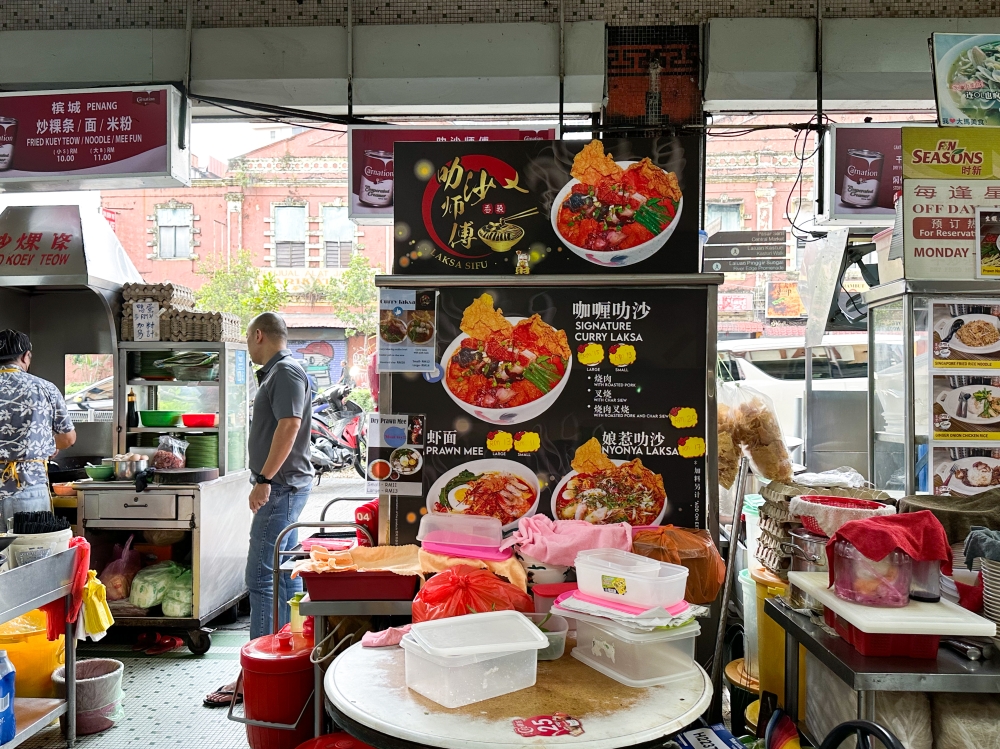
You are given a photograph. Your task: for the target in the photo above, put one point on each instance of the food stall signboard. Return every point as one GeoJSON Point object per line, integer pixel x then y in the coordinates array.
{"type": "Point", "coordinates": [371, 172]}
{"type": "Point", "coordinates": [783, 300]}
{"type": "Point", "coordinates": [96, 138]}
{"type": "Point", "coordinates": [145, 321]}
{"type": "Point", "coordinates": [965, 85]}
{"type": "Point", "coordinates": [407, 328]}
{"type": "Point", "coordinates": [395, 454]}
{"type": "Point", "coordinates": [931, 153]}
{"type": "Point", "coordinates": [735, 302]}
{"type": "Point", "coordinates": [553, 400]}
{"type": "Point", "coordinates": [39, 243]}
{"type": "Point", "coordinates": [987, 249]}
{"type": "Point", "coordinates": [547, 207]}
{"type": "Point", "coordinates": [965, 334]}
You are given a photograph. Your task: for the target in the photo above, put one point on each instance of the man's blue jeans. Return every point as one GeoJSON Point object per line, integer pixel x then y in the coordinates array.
{"type": "Point", "coordinates": [282, 509]}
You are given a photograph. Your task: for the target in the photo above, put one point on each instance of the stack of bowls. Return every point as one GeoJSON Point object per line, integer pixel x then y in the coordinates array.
{"type": "Point", "coordinates": [202, 451]}
{"type": "Point", "coordinates": [991, 591]}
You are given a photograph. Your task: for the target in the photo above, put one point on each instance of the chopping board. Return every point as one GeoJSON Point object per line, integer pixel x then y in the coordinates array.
{"type": "Point", "coordinates": [916, 618]}
{"type": "Point", "coordinates": [184, 475]}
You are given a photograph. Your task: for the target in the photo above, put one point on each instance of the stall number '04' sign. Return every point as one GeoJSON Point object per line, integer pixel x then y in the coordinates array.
{"type": "Point", "coordinates": [146, 321]}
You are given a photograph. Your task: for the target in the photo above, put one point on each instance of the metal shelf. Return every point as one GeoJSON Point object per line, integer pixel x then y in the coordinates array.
{"type": "Point", "coordinates": [174, 383]}
{"type": "Point", "coordinates": [31, 715]}
{"type": "Point", "coordinates": [158, 430]}
{"type": "Point", "coordinates": [171, 345]}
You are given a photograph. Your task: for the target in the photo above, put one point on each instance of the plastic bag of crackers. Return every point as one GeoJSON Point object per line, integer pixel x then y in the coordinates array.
{"type": "Point", "coordinates": [749, 422]}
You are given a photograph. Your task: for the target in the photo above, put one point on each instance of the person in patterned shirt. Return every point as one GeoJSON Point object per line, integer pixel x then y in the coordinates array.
{"type": "Point", "coordinates": [34, 426]}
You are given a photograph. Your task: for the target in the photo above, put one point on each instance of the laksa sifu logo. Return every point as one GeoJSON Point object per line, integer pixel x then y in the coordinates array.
{"type": "Point", "coordinates": [948, 152]}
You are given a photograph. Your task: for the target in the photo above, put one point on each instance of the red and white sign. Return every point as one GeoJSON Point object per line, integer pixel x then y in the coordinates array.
{"type": "Point", "coordinates": [122, 137]}
{"type": "Point", "coordinates": [370, 170]}
{"type": "Point", "coordinates": [939, 226]}
{"type": "Point", "coordinates": [735, 302]}
{"type": "Point", "coordinates": [111, 217]}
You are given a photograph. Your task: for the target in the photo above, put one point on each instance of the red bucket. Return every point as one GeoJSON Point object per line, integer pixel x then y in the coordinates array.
{"type": "Point", "coordinates": [277, 690]}
{"type": "Point", "coordinates": [334, 741]}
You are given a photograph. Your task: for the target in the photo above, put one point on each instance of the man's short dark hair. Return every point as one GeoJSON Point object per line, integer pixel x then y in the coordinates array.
{"type": "Point", "coordinates": [271, 325]}
{"type": "Point", "coordinates": [13, 345]}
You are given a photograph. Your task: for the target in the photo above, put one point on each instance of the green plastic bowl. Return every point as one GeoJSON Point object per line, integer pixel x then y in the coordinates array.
{"type": "Point", "coordinates": [160, 418]}
{"type": "Point", "coordinates": [100, 473]}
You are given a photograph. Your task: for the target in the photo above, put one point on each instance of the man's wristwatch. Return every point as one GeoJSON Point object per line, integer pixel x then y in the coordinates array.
{"type": "Point", "coordinates": [261, 480]}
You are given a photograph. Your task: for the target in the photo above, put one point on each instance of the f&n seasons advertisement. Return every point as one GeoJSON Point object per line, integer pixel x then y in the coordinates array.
{"type": "Point", "coordinates": [547, 207]}
{"type": "Point", "coordinates": [575, 403]}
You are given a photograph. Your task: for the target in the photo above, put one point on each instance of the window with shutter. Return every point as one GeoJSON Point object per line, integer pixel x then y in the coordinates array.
{"type": "Point", "coordinates": [290, 236]}
{"type": "Point", "coordinates": [173, 232]}
{"type": "Point", "coordinates": [338, 236]}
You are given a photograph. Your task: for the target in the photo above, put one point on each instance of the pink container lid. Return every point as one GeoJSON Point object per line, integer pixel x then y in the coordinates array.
{"type": "Point", "coordinates": [468, 552]}
{"type": "Point", "coordinates": [678, 608]}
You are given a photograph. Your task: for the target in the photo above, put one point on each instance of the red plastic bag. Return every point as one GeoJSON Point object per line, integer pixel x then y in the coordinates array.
{"type": "Point", "coordinates": [117, 576]}
{"type": "Point", "coordinates": [467, 590]}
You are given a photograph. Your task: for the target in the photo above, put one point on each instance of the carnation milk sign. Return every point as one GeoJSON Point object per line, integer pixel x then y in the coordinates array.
{"type": "Point", "coordinates": [947, 175]}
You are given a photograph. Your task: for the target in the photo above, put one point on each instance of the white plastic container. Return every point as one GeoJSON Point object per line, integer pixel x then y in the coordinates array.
{"type": "Point", "coordinates": [556, 629]}
{"type": "Point", "coordinates": [30, 547]}
{"type": "Point", "coordinates": [615, 575]}
{"type": "Point", "coordinates": [637, 660]}
{"type": "Point", "coordinates": [455, 681]}
{"type": "Point", "coordinates": [470, 536]}
{"type": "Point", "coordinates": [475, 634]}
{"type": "Point", "coordinates": [751, 662]}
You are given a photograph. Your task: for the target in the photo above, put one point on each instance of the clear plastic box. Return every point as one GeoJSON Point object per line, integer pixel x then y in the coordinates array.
{"type": "Point", "coordinates": [634, 659]}
{"type": "Point", "coordinates": [615, 575]}
{"type": "Point", "coordinates": [556, 629]}
{"type": "Point", "coordinates": [471, 536]}
{"type": "Point", "coordinates": [475, 634]}
{"type": "Point", "coordinates": [884, 583]}
{"type": "Point", "coordinates": [456, 681]}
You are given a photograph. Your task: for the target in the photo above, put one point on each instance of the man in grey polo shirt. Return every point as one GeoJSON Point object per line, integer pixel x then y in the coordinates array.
{"type": "Point", "coordinates": [282, 473]}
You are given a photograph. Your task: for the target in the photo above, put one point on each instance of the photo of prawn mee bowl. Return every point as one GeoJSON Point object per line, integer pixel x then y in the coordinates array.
{"type": "Point", "coordinates": [601, 490]}
{"type": "Point", "coordinates": [391, 329]}
{"type": "Point", "coordinates": [501, 489]}
{"type": "Point", "coordinates": [505, 370]}
{"type": "Point", "coordinates": [976, 334]}
{"type": "Point", "coordinates": [616, 213]}
{"type": "Point", "coordinates": [406, 461]}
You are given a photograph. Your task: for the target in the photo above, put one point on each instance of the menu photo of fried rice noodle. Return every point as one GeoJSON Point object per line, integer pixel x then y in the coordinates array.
{"type": "Point", "coordinates": [601, 490]}
{"type": "Point", "coordinates": [505, 362]}
{"type": "Point", "coordinates": [978, 334]}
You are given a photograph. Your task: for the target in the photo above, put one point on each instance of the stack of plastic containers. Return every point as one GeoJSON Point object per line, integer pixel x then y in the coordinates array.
{"type": "Point", "coordinates": [467, 536]}
{"type": "Point", "coordinates": [467, 659]}
{"type": "Point", "coordinates": [624, 582]}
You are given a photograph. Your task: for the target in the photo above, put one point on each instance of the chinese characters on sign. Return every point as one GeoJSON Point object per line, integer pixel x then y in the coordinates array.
{"type": "Point", "coordinates": [145, 321]}
{"type": "Point", "coordinates": [987, 250]}
{"type": "Point", "coordinates": [964, 85]}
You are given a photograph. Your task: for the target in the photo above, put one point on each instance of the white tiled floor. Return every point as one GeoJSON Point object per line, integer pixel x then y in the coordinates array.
{"type": "Point", "coordinates": [163, 694]}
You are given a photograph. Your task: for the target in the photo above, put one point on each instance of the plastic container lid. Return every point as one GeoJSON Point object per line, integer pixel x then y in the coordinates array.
{"type": "Point", "coordinates": [660, 635]}
{"type": "Point", "coordinates": [752, 504]}
{"type": "Point", "coordinates": [552, 590]}
{"type": "Point", "coordinates": [620, 561]}
{"type": "Point", "coordinates": [408, 643]}
{"type": "Point", "coordinates": [474, 634]}
{"type": "Point", "coordinates": [461, 530]}
{"type": "Point", "coordinates": [282, 653]}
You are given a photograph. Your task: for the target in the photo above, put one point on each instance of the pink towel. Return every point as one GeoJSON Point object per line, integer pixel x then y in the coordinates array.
{"type": "Point", "coordinates": [557, 542]}
{"type": "Point", "coordinates": [384, 639]}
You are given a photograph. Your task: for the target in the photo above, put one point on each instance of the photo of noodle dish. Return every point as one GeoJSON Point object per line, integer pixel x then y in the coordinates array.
{"type": "Point", "coordinates": [601, 490]}
{"type": "Point", "coordinates": [977, 334]}
{"type": "Point", "coordinates": [972, 404]}
{"type": "Point", "coordinates": [968, 476]}
{"type": "Point", "coordinates": [505, 370]}
{"type": "Point", "coordinates": [391, 329]}
{"type": "Point", "coordinates": [616, 213]}
{"type": "Point", "coordinates": [503, 489]}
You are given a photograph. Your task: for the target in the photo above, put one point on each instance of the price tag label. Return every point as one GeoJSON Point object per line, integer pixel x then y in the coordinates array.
{"type": "Point", "coordinates": [146, 321]}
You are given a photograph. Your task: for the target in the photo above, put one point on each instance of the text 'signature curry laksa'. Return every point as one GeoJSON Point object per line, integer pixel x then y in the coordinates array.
{"type": "Point", "coordinates": [613, 208]}
{"type": "Point", "coordinates": [502, 364]}
{"type": "Point", "coordinates": [602, 492]}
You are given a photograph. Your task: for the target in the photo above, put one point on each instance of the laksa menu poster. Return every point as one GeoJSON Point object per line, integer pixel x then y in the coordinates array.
{"type": "Point", "coordinates": [574, 403]}
{"type": "Point", "coordinates": [547, 207]}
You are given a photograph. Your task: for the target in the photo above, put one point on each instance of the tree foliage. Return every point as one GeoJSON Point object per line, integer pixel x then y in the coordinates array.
{"type": "Point", "coordinates": [354, 297]}
{"type": "Point", "coordinates": [241, 289]}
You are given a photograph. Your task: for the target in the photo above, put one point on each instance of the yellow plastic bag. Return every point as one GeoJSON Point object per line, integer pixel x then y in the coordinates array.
{"type": "Point", "coordinates": [96, 613]}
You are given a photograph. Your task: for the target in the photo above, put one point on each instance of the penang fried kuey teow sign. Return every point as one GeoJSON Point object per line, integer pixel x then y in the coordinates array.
{"type": "Point", "coordinates": [547, 207]}
{"type": "Point", "coordinates": [98, 138]}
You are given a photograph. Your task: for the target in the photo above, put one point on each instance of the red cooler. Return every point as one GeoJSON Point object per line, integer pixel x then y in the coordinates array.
{"type": "Point", "coordinates": [277, 685]}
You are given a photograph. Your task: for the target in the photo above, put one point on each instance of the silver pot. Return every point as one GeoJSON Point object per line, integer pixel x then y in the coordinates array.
{"type": "Point", "coordinates": [125, 470]}
{"type": "Point", "coordinates": [808, 552]}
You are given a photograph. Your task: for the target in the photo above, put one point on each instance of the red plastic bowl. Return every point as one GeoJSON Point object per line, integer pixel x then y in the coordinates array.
{"type": "Point", "coordinates": [847, 502]}
{"type": "Point", "coordinates": [199, 420]}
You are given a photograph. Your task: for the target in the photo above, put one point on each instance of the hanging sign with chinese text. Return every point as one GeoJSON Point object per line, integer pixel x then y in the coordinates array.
{"type": "Point", "coordinates": [555, 400]}
{"type": "Point", "coordinates": [932, 153]}
{"type": "Point", "coordinates": [939, 226]}
{"type": "Point", "coordinates": [547, 207]}
{"type": "Point", "coordinates": [41, 241]}
{"type": "Point", "coordinates": [104, 138]}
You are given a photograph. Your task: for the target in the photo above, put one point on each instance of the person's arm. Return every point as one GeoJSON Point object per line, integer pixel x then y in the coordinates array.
{"type": "Point", "coordinates": [62, 426]}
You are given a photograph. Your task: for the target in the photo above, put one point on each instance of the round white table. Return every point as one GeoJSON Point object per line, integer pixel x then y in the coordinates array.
{"type": "Point", "coordinates": [367, 696]}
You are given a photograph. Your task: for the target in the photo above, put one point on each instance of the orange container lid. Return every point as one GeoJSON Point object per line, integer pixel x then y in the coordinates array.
{"type": "Point", "coordinates": [766, 577]}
